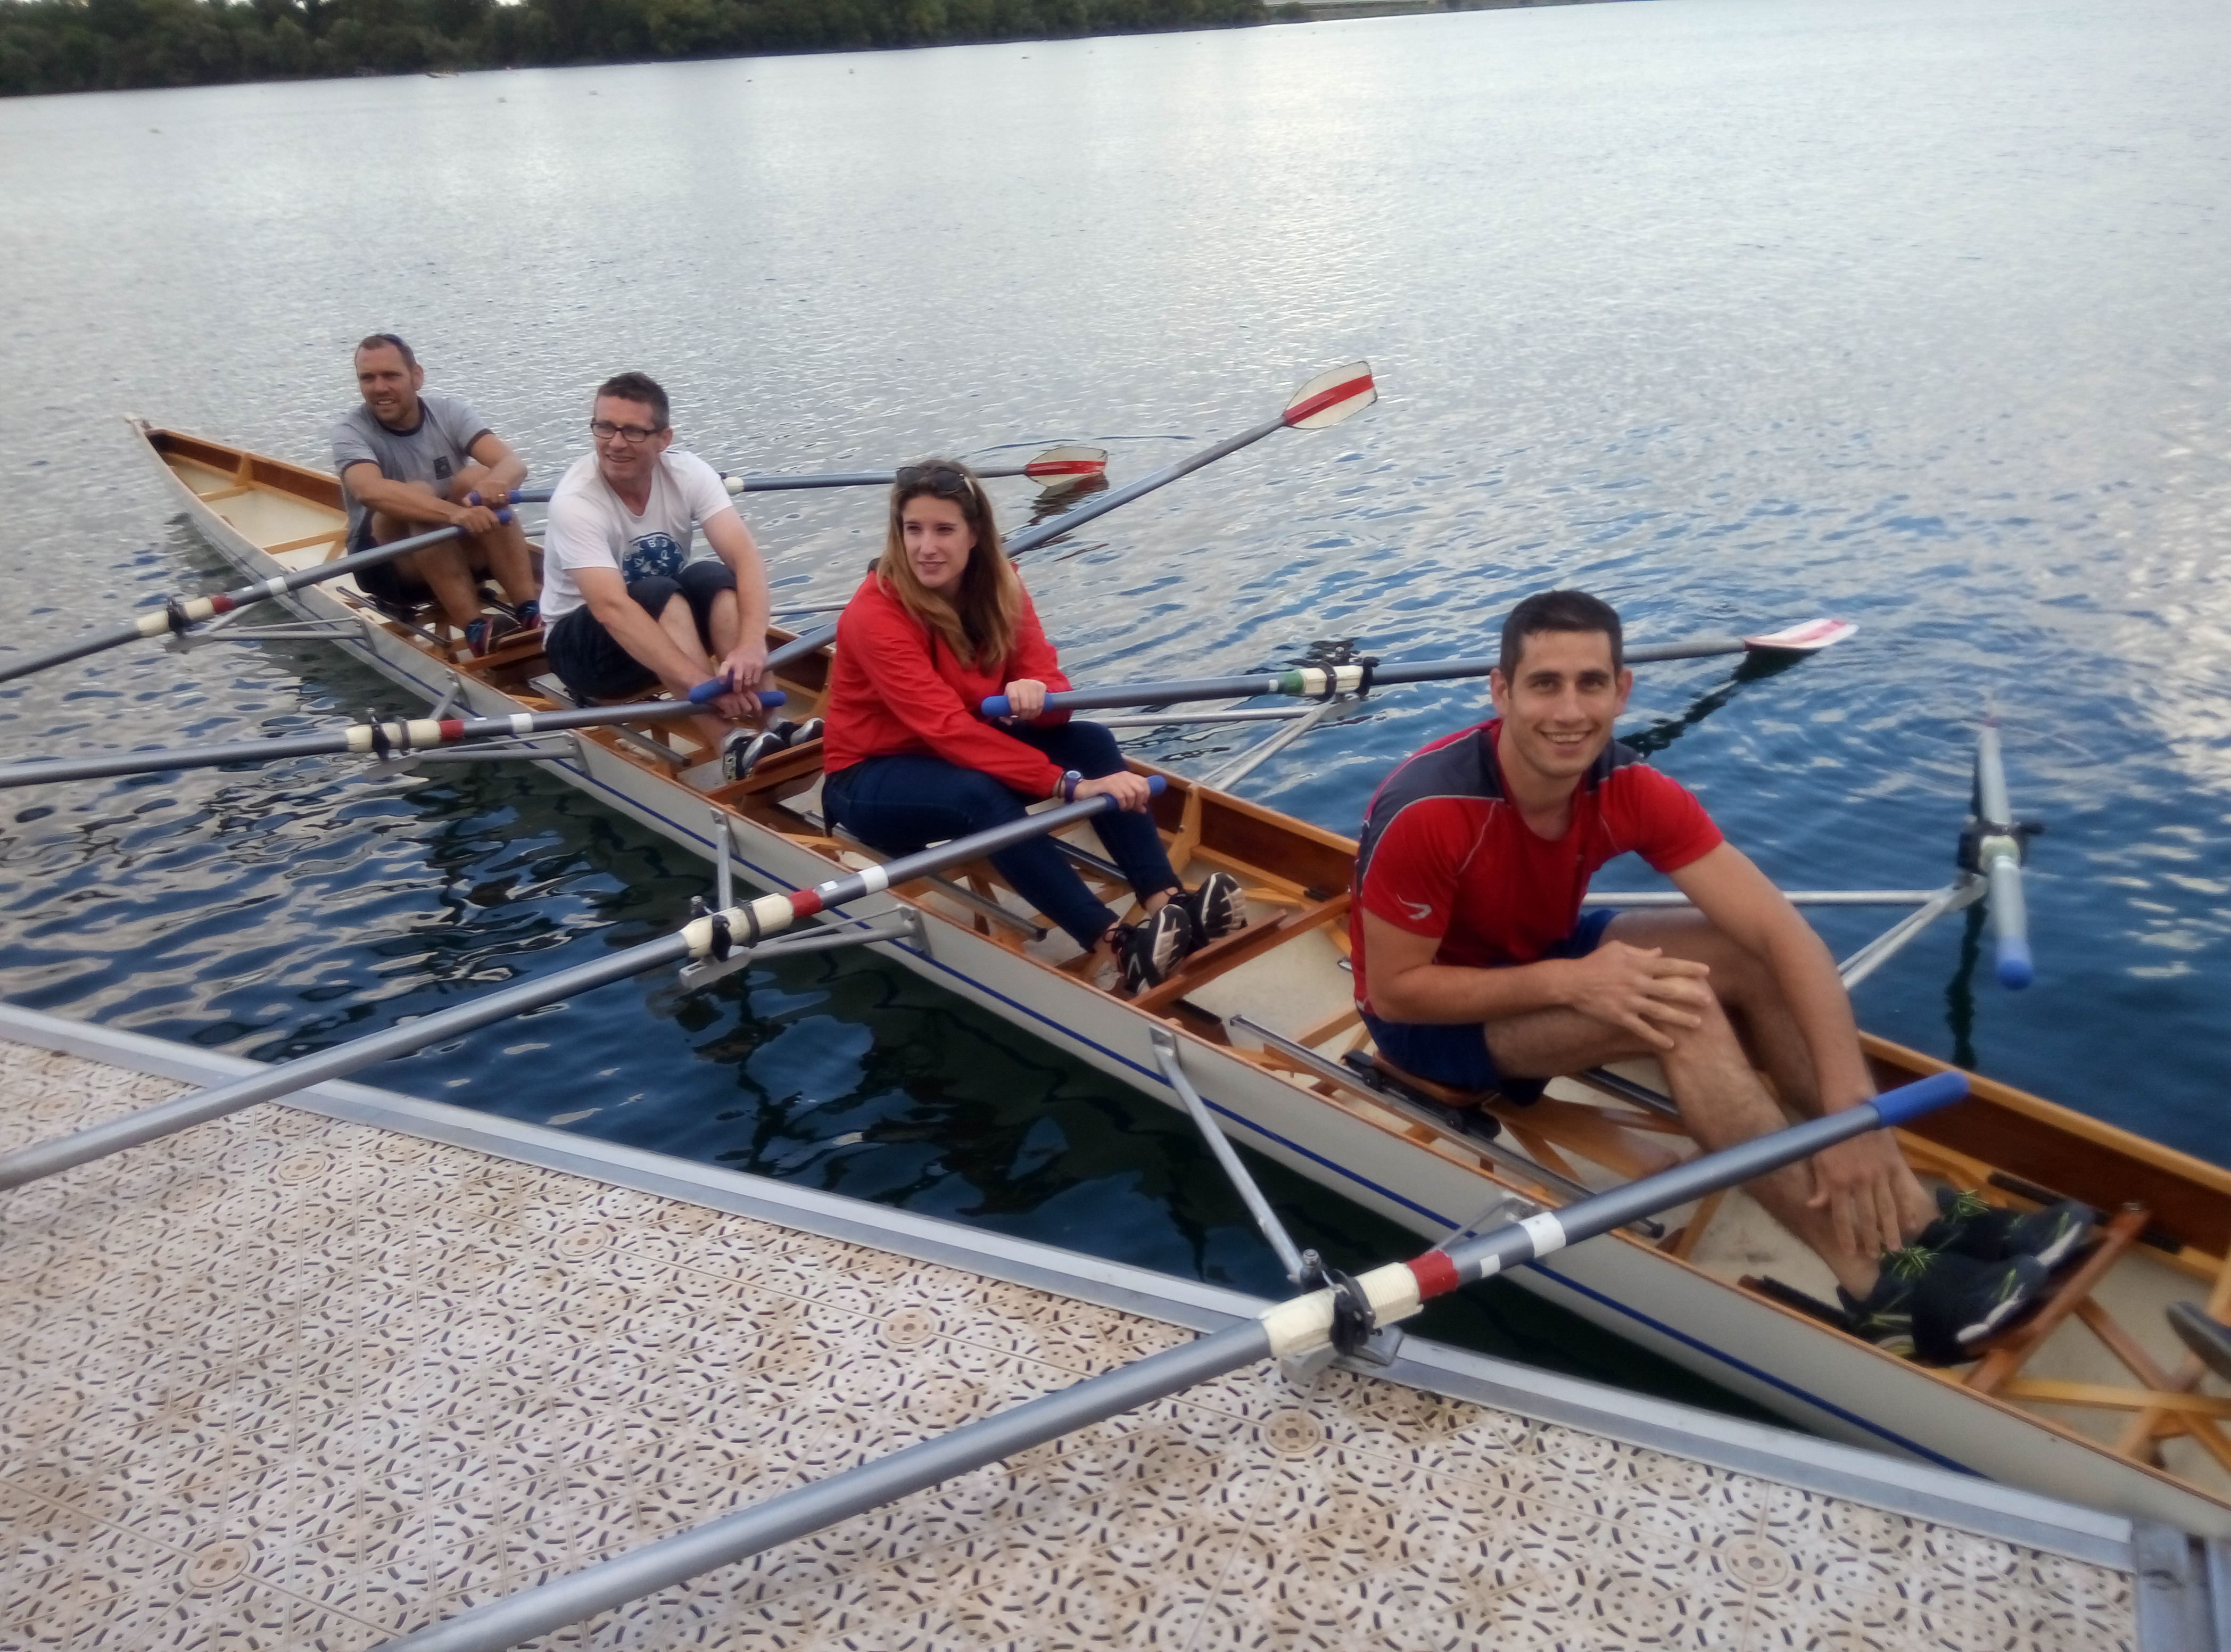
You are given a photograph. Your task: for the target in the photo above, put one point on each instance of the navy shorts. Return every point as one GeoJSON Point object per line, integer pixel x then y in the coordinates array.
{"type": "Point", "coordinates": [383, 582]}
{"type": "Point", "coordinates": [1456, 1053]}
{"type": "Point", "coordinates": [595, 667]}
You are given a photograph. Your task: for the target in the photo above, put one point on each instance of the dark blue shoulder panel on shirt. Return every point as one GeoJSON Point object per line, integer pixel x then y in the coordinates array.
{"type": "Point", "coordinates": [1461, 768]}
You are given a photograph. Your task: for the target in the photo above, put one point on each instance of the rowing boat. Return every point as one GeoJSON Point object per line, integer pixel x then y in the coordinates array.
{"type": "Point", "coordinates": [2089, 1399]}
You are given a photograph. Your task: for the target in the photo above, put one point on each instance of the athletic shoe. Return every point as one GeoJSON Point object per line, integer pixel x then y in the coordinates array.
{"type": "Point", "coordinates": [744, 748]}
{"type": "Point", "coordinates": [1938, 1305]}
{"type": "Point", "coordinates": [800, 733]}
{"type": "Point", "coordinates": [1989, 1234]}
{"type": "Point", "coordinates": [1217, 908]}
{"type": "Point", "coordinates": [483, 636]}
{"type": "Point", "coordinates": [1149, 949]}
{"type": "Point", "coordinates": [2208, 1339]}
{"type": "Point", "coordinates": [529, 615]}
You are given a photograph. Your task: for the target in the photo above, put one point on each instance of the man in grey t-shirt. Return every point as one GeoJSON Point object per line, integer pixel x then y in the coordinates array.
{"type": "Point", "coordinates": [409, 460]}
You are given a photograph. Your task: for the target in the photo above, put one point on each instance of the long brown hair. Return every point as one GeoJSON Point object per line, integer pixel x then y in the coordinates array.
{"type": "Point", "coordinates": [979, 623]}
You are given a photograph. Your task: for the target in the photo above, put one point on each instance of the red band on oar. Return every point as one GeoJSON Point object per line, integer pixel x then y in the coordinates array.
{"type": "Point", "coordinates": [1066, 468]}
{"type": "Point", "coordinates": [1325, 398]}
{"type": "Point", "coordinates": [453, 728]}
{"type": "Point", "coordinates": [1437, 1275]}
{"type": "Point", "coordinates": [221, 604]}
{"type": "Point", "coordinates": [804, 902]}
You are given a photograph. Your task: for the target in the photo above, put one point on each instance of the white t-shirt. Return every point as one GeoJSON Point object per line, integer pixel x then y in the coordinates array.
{"type": "Point", "coordinates": [590, 527]}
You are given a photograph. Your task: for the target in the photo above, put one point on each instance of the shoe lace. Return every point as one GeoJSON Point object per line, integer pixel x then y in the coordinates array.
{"type": "Point", "coordinates": [1907, 1261]}
{"type": "Point", "coordinates": [1970, 1205]}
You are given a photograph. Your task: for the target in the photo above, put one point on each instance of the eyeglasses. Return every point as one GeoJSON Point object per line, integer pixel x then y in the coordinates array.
{"type": "Point", "coordinates": [634, 434]}
{"type": "Point", "coordinates": [946, 481]}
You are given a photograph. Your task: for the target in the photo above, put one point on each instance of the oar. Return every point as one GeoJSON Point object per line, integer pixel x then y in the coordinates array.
{"type": "Point", "coordinates": [1339, 1315]}
{"type": "Point", "coordinates": [714, 936]}
{"type": "Point", "coordinates": [1322, 682]}
{"type": "Point", "coordinates": [1057, 467]}
{"type": "Point", "coordinates": [1325, 400]}
{"type": "Point", "coordinates": [176, 613]}
{"type": "Point", "coordinates": [2000, 847]}
{"type": "Point", "coordinates": [373, 739]}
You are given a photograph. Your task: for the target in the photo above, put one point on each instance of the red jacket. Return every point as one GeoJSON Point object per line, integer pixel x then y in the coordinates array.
{"type": "Point", "coordinates": [897, 688]}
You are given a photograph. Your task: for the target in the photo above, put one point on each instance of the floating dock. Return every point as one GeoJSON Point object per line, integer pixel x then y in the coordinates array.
{"type": "Point", "coordinates": [323, 1373]}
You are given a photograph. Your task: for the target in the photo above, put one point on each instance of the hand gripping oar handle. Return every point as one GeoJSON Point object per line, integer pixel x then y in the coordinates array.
{"type": "Point", "coordinates": [359, 739]}
{"type": "Point", "coordinates": [177, 613]}
{"type": "Point", "coordinates": [1999, 858]}
{"type": "Point", "coordinates": [714, 687]}
{"type": "Point", "coordinates": [1323, 681]}
{"type": "Point", "coordinates": [712, 937]}
{"type": "Point", "coordinates": [1326, 400]}
{"type": "Point", "coordinates": [1298, 1327]}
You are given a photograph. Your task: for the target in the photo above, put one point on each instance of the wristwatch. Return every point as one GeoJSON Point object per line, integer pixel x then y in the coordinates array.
{"type": "Point", "coordinates": [1065, 788]}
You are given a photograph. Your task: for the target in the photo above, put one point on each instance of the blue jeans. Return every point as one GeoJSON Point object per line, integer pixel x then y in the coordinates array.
{"type": "Point", "coordinates": [899, 803]}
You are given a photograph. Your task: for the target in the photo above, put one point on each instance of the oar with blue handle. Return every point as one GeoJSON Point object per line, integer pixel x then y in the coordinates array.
{"type": "Point", "coordinates": [1339, 1316]}
{"type": "Point", "coordinates": [714, 936]}
{"type": "Point", "coordinates": [177, 613]}
{"type": "Point", "coordinates": [1323, 681]}
{"type": "Point", "coordinates": [396, 739]}
{"type": "Point", "coordinates": [1325, 400]}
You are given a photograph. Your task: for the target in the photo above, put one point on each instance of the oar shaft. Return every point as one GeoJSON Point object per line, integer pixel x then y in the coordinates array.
{"type": "Point", "coordinates": [1999, 857]}
{"type": "Point", "coordinates": [394, 739]}
{"type": "Point", "coordinates": [1291, 1327]}
{"type": "Point", "coordinates": [736, 482]}
{"type": "Point", "coordinates": [1054, 527]}
{"type": "Point", "coordinates": [701, 937]}
{"type": "Point", "coordinates": [1323, 681]}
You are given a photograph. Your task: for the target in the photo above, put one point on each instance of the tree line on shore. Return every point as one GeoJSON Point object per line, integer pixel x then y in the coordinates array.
{"type": "Point", "coordinates": [106, 45]}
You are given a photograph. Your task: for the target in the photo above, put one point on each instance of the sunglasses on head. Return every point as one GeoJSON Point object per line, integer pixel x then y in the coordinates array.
{"type": "Point", "coordinates": [946, 481]}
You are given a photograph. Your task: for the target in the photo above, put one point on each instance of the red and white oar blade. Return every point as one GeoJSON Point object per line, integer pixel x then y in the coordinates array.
{"type": "Point", "coordinates": [1058, 467]}
{"type": "Point", "coordinates": [1331, 397]}
{"type": "Point", "coordinates": [1808, 638]}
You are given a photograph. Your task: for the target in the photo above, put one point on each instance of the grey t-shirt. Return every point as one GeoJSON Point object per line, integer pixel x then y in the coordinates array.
{"type": "Point", "coordinates": [432, 452]}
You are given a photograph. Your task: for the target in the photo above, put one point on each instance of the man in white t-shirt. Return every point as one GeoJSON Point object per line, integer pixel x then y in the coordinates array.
{"type": "Point", "coordinates": [626, 606]}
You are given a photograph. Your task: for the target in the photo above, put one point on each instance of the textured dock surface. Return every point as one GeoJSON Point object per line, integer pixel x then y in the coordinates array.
{"type": "Point", "coordinates": [288, 1382]}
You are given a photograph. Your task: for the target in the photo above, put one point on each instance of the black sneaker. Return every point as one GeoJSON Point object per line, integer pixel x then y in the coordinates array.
{"type": "Point", "coordinates": [1938, 1305]}
{"type": "Point", "coordinates": [1218, 907]}
{"type": "Point", "coordinates": [1976, 1229]}
{"type": "Point", "coordinates": [744, 748]}
{"type": "Point", "coordinates": [1149, 949]}
{"type": "Point", "coordinates": [800, 734]}
{"type": "Point", "coordinates": [2208, 1339]}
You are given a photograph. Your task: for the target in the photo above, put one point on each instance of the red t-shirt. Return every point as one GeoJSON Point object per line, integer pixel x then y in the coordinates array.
{"type": "Point", "coordinates": [1444, 854]}
{"type": "Point", "coordinates": [896, 687]}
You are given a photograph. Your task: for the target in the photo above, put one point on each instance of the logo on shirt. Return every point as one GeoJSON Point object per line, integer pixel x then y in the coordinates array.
{"type": "Point", "coordinates": [1417, 910]}
{"type": "Point", "coordinates": [653, 556]}
{"type": "Point", "coordinates": [442, 471]}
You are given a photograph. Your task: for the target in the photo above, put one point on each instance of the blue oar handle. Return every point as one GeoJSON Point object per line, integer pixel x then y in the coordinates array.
{"type": "Point", "coordinates": [995, 706]}
{"type": "Point", "coordinates": [503, 517]}
{"type": "Point", "coordinates": [714, 687]}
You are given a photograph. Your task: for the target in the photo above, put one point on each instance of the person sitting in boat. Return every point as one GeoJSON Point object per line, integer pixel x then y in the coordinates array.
{"type": "Point", "coordinates": [1477, 969]}
{"type": "Point", "coordinates": [628, 607]}
{"type": "Point", "coordinates": [410, 460]}
{"type": "Point", "coordinates": [942, 622]}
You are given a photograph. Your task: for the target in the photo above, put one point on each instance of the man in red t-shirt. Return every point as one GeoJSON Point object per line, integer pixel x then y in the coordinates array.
{"type": "Point", "coordinates": [1475, 969]}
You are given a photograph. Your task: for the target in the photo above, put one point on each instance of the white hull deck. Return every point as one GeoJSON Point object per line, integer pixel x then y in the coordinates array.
{"type": "Point", "coordinates": [1680, 1300]}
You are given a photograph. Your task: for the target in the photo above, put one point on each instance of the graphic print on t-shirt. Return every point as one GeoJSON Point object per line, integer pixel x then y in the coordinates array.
{"type": "Point", "coordinates": [651, 556]}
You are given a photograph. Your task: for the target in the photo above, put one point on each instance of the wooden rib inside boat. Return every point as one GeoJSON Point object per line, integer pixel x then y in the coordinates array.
{"type": "Point", "coordinates": [1270, 1013]}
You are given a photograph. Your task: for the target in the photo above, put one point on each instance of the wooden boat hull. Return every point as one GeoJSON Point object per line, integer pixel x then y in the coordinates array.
{"type": "Point", "coordinates": [1393, 1161]}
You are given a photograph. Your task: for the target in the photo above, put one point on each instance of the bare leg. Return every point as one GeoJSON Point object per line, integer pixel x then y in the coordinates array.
{"type": "Point", "coordinates": [441, 569]}
{"type": "Point", "coordinates": [1710, 1073]}
{"type": "Point", "coordinates": [681, 628]}
{"type": "Point", "coordinates": [504, 553]}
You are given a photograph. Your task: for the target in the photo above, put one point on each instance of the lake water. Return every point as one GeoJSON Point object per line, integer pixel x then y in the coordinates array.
{"type": "Point", "coordinates": [1735, 311]}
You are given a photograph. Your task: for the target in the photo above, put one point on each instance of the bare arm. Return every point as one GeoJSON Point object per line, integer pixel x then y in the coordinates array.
{"type": "Point", "coordinates": [1737, 897]}
{"type": "Point", "coordinates": [506, 469]}
{"type": "Point", "coordinates": [1641, 991]}
{"type": "Point", "coordinates": [732, 543]}
{"type": "Point", "coordinates": [413, 504]}
{"type": "Point", "coordinates": [605, 591]}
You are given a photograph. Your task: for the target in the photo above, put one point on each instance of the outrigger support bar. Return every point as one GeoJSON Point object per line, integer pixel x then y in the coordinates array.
{"type": "Point", "coordinates": [381, 740]}
{"type": "Point", "coordinates": [1326, 400]}
{"type": "Point", "coordinates": [1324, 682]}
{"type": "Point", "coordinates": [715, 935]}
{"type": "Point", "coordinates": [1293, 1329]}
{"type": "Point", "coordinates": [179, 613]}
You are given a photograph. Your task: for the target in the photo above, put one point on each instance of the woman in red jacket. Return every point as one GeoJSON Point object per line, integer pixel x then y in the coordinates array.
{"type": "Point", "coordinates": [941, 623]}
